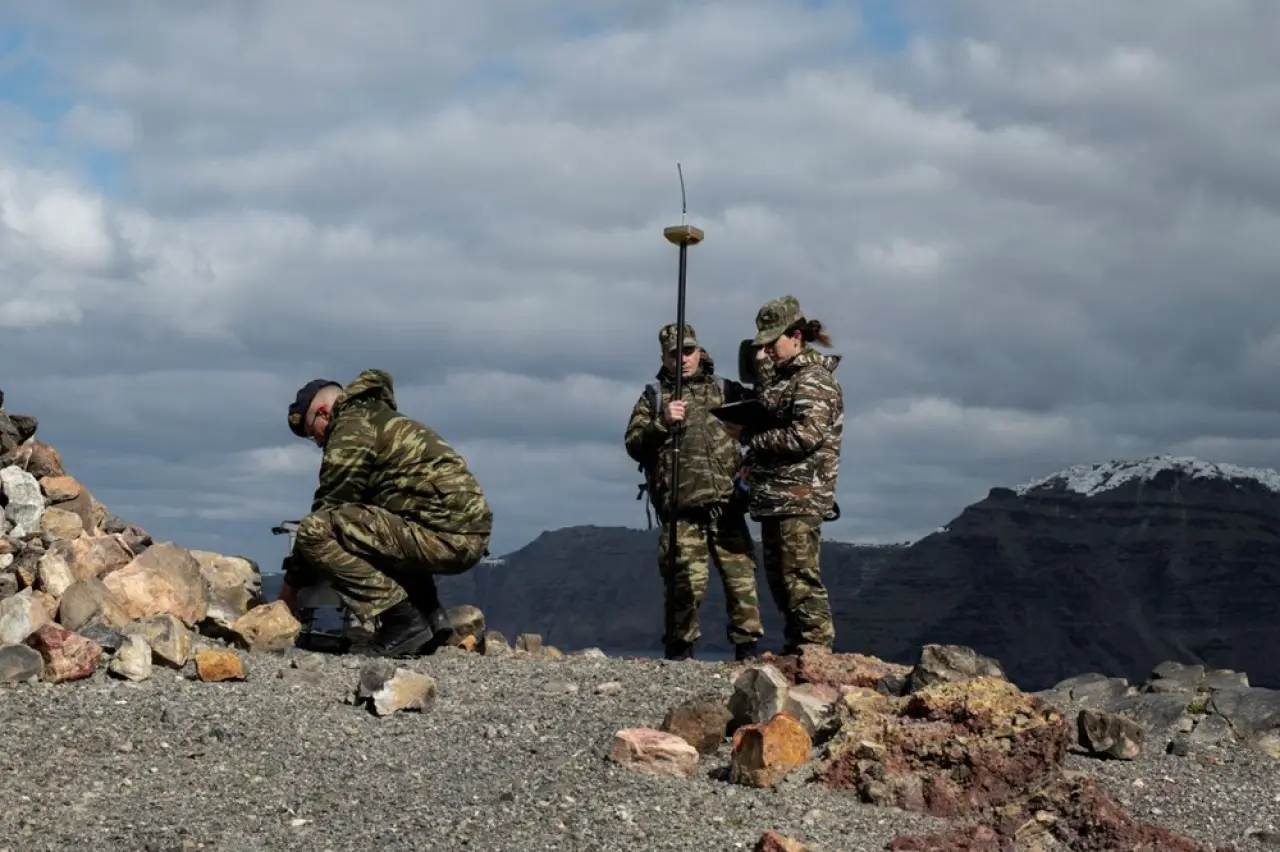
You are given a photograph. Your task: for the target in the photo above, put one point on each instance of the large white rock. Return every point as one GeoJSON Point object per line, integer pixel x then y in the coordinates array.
{"type": "Point", "coordinates": [26, 501]}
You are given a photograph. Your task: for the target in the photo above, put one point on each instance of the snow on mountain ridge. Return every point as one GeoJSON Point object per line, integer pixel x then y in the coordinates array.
{"type": "Point", "coordinates": [1091, 479]}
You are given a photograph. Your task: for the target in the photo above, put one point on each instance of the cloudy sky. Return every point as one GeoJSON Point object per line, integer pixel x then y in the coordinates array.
{"type": "Point", "coordinates": [1040, 234]}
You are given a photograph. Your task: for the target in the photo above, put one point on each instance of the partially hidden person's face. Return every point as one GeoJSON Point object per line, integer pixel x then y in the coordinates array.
{"type": "Point", "coordinates": [784, 348]}
{"type": "Point", "coordinates": [692, 358]}
{"type": "Point", "coordinates": [317, 422]}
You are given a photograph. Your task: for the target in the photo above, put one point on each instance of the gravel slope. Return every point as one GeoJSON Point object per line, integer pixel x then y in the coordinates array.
{"type": "Point", "coordinates": [510, 758]}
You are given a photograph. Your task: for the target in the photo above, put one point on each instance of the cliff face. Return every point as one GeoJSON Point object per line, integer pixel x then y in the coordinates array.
{"type": "Point", "coordinates": [1109, 568]}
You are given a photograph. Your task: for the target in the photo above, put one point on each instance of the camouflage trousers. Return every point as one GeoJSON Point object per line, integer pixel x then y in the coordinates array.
{"type": "Point", "coordinates": [726, 540]}
{"type": "Point", "coordinates": [792, 551]}
{"type": "Point", "coordinates": [374, 559]}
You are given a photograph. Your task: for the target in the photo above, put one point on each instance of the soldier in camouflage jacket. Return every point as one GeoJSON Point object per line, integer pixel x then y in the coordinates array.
{"type": "Point", "coordinates": [395, 505]}
{"type": "Point", "coordinates": [708, 528]}
{"type": "Point", "coordinates": [793, 466]}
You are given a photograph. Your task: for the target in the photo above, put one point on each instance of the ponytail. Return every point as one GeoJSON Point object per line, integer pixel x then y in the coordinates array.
{"type": "Point", "coordinates": [811, 331]}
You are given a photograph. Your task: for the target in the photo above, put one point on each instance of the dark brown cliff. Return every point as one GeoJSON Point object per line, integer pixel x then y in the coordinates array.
{"type": "Point", "coordinates": [1111, 568]}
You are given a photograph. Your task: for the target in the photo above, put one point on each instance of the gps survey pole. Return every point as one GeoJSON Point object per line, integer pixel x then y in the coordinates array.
{"type": "Point", "coordinates": [682, 235]}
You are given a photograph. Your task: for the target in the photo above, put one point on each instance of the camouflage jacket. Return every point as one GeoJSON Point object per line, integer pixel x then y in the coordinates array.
{"type": "Point", "coordinates": [793, 467]}
{"type": "Point", "coordinates": [376, 456]}
{"type": "Point", "coordinates": [709, 458]}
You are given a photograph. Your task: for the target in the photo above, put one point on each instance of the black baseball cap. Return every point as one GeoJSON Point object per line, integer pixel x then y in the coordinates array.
{"type": "Point", "coordinates": [298, 410]}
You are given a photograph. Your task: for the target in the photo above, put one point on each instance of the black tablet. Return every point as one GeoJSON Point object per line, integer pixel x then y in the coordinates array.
{"type": "Point", "coordinates": [750, 413]}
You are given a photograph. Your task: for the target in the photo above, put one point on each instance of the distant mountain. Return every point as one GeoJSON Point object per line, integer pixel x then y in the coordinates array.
{"type": "Point", "coordinates": [1110, 567]}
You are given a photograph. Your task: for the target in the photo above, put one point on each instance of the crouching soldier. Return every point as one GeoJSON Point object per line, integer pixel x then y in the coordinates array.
{"type": "Point", "coordinates": [395, 506]}
{"type": "Point", "coordinates": [710, 523]}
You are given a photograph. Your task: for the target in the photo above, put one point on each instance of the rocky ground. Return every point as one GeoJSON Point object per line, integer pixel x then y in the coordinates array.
{"type": "Point", "coordinates": [152, 700]}
{"type": "Point", "coordinates": [511, 754]}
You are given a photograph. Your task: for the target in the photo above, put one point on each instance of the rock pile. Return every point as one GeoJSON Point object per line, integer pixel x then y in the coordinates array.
{"type": "Point", "coordinates": [951, 737]}
{"type": "Point", "coordinates": [1186, 710]}
{"type": "Point", "coordinates": [80, 588]}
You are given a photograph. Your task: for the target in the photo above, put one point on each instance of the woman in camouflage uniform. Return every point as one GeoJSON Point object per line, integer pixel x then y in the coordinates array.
{"type": "Point", "coordinates": [793, 466]}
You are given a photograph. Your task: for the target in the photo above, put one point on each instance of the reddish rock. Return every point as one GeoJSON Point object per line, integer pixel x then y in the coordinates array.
{"type": "Point", "coordinates": [763, 754]}
{"type": "Point", "coordinates": [654, 752]}
{"type": "Point", "coordinates": [817, 665]}
{"type": "Point", "coordinates": [60, 488]}
{"type": "Point", "coordinates": [1069, 813]}
{"type": "Point", "coordinates": [950, 750]}
{"type": "Point", "coordinates": [66, 655]}
{"type": "Point", "coordinates": [772, 841]}
{"type": "Point", "coordinates": [42, 460]}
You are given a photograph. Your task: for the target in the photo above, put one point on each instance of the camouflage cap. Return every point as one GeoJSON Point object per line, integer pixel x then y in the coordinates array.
{"type": "Point", "coordinates": [667, 337]}
{"type": "Point", "coordinates": [299, 406]}
{"type": "Point", "coordinates": [775, 318]}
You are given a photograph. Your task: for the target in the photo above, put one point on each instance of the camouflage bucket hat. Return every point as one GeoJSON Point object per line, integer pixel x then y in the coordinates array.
{"type": "Point", "coordinates": [775, 318]}
{"type": "Point", "coordinates": [667, 337]}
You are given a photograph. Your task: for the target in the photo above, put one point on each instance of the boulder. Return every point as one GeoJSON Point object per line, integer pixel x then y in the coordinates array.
{"type": "Point", "coordinates": [19, 663]}
{"type": "Point", "coordinates": [1106, 734]}
{"type": "Point", "coordinates": [59, 489]}
{"type": "Point", "coordinates": [766, 752]}
{"type": "Point", "coordinates": [818, 665]}
{"type": "Point", "coordinates": [66, 655]}
{"type": "Point", "coordinates": [61, 524]}
{"type": "Point", "coordinates": [164, 579]}
{"type": "Point", "coordinates": [653, 752]}
{"type": "Point", "coordinates": [388, 689]}
{"type": "Point", "coordinates": [20, 616]}
{"type": "Point", "coordinates": [466, 622]}
{"type": "Point", "coordinates": [85, 557]}
{"type": "Point", "coordinates": [233, 586]}
{"type": "Point", "coordinates": [813, 705]}
{"type": "Point", "coordinates": [266, 628]}
{"type": "Point", "coordinates": [759, 694]}
{"type": "Point", "coordinates": [214, 665]}
{"type": "Point", "coordinates": [950, 749]}
{"type": "Point", "coordinates": [948, 664]}
{"type": "Point", "coordinates": [24, 502]}
{"type": "Point", "coordinates": [494, 644]}
{"type": "Point", "coordinates": [701, 722]}
{"type": "Point", "coordinates": [133, 660]}
{"type": "Point", "coordinates": [170, 641]}
{"type": "Point", "coordinates": [90, 600]}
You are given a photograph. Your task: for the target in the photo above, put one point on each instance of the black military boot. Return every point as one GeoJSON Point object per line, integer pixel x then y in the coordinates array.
{"type": "Point", "coordinates": [402, 631]}
{"type": "Point", "coordinates": [746, 651]}
{"type": "Point", "coordinates": [679, 651]}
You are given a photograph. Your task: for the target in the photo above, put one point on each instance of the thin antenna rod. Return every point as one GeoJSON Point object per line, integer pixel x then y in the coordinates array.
{"type": "Point", "coordinates": [684, 207]}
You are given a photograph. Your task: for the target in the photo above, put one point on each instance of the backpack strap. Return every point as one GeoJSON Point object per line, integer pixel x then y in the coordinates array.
{"type": "Point", "coordinates": [653, 393]}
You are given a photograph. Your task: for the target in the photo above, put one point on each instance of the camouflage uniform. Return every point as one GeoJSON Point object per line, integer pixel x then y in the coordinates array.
{"type": "Point", "coordinates": [395, 505]}
{"type": "Point", "coordinates": [706, 528]}
{"type": "Point", "coordinates": [793, 470]}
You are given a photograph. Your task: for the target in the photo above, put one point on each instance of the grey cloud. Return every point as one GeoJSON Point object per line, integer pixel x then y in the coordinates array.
{"type": "Point", "coordinates": [1037, 237]}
